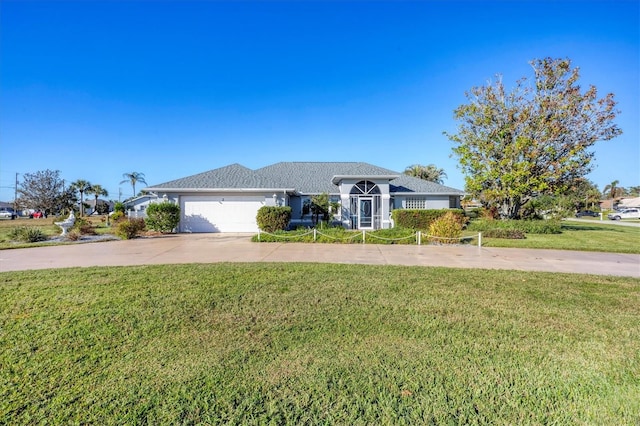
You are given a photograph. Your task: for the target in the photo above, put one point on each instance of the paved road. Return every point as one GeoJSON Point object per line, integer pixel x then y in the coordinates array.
{"type": "Point", "coordinates": [212, 248]}
{"type": "Point", "coordinates": [627, 222]}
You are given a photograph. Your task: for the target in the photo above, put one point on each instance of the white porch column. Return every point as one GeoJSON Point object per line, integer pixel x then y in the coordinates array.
{"type": "Point", "coordinates": [345, 210]}
{"type": "Point", "coordinates": [386, 212]}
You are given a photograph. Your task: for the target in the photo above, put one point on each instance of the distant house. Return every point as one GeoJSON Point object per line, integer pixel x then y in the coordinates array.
{"type": "Point", "coordinates": [136, 207]}
{"type": "Point", "coordinates": [107, 205]}
{"type": "Point", "coordinates": [227, 199]}
{"type": "Point", "coordinates": [629, 202]}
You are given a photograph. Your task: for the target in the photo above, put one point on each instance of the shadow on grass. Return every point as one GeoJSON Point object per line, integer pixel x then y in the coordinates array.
{"type": "Point", "coordinates": [580, 227]}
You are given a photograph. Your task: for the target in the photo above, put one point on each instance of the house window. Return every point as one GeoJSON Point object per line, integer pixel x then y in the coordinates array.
{"type": "Point", "coordinates": [416, 203]}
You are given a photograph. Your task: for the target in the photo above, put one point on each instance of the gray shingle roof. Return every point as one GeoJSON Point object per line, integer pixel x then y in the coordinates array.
{"type": "Point", "coordinates": [234, 176]}
{"type": "Point", "coordinates": [304, 177]}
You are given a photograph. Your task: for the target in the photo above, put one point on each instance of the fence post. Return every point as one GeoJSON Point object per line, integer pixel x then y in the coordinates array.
{"type": "Point", "coordinates": [419, 238]}
{"type": "Point", "coordinates": [479, 239]}
{"type": "Point", "coordinates": [314, 235]}
{"type": "Point", "coordinates": [363, 236]}
{"type": "Point", "coordinates": [258, 234]}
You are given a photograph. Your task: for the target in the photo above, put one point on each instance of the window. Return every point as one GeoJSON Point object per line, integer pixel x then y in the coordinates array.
{"type": "Point", "coordinates": [365, 187]}
{"type": "Point", "coordinates": [416, 203]}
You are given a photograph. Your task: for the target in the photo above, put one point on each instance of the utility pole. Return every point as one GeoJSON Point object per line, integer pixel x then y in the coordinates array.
{"type": "Point", "coordinates": [15, 196]}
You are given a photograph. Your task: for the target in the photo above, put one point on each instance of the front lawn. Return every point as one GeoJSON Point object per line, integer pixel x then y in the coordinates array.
{"type": "Point", "coordinates": [588, 236]}
{"type": "Point", "coordinates": [317, 344]}
{"type": "Point", "coordinates": [591, 236]}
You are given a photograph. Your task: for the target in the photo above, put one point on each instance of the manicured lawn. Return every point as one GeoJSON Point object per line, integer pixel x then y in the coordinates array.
{"type": "Point", "coordinates": [317, 344]}
{"type": "Point", "coordinates": [588, 236]}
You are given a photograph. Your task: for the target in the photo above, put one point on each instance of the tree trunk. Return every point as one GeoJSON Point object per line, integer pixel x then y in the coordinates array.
{"type": "Point", "coordinates": [510, 208]}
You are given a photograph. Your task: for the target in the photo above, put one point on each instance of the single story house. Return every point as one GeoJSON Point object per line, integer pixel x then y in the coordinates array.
{"type": "Point", "coordinates": [104, 204]}
{"type": "Point", "coordinates": [227, 199]}
{"type": "Point", "coordinates": [135, 207]}
{"type": "Point", "coordinates": [629, 202]}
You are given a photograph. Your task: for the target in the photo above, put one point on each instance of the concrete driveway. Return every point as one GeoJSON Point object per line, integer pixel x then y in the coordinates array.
{"type": "Point", "coordinates": [213, 248]}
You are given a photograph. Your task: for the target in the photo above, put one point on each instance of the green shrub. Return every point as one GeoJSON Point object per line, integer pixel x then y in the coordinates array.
{"type": "Point", "coordinates": [27, 234]}
{"type": "Point", "coordinates": [118, 207]}
{"type": "Point", "coordinates": [128, 229]}
{"type": "Point", "coordinates": [73, 235]}
{"type": "Point", "coordinates": [163, 217]}
{"type": "Point", "coordinates": [421, 219]}
{"type": "Point", "coordinates": [87, 230]}
{"type": "Point", "coordinates": [271, 218]}
{"type": "Point", "coordinates": [541, 226]}
{"type": "Point", "coordinates": [117, 216]}
{"type": "Point", "coordinates": [508, 234]}
{"type": "Point", "coordinates": [473, 213]}
{"type": "Point", "coordinates": [446, 229]}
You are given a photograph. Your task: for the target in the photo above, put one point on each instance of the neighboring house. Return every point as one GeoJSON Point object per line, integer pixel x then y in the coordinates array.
{"type": "Point", "coordinates": [92, 209]}
{"type": "Point", "coordinates": [629, 202]}
{"type": "Point", "coordinates": [136, 207]}
{"type": "Point", "coordinates": [227, 199]}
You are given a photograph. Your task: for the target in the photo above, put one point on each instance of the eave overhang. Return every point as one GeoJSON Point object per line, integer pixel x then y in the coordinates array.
{"type": "Point", "coordinates": [339, 178]}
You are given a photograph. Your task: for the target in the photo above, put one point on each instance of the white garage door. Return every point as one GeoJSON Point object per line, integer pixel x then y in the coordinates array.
{"type": "Point", "coordinates": [219, 214]}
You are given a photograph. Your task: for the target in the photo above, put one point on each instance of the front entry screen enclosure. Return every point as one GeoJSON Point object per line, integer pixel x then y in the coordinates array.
{"type": "Point", "coordinates": [365, 204]}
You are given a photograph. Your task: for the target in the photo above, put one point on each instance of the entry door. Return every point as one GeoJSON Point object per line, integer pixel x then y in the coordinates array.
{"type": "Point", "coordinates": [365, 213]}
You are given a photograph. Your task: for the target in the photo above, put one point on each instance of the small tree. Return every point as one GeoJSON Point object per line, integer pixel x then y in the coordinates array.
{"type": "Point", "coordinates": [44, 190]}
{"type": "Point", "coordinates": [163, 217]}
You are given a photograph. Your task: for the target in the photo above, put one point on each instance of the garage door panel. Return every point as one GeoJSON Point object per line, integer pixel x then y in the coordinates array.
{"type": "Point", "coordinates": [218, 214]}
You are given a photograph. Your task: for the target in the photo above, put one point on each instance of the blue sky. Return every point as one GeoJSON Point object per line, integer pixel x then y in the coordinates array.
{"type": "Point", "coordinates": [170, 89]}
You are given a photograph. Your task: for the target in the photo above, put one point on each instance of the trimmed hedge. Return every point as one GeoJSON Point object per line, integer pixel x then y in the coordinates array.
{"type": "Point", "coordinates": [163, 217]}
{"type": "Point", "coordinates": [542, 226]}
{"type": "Point", "coordinates": [272, 218]}
{"type": "Point", "coordinates": [422, 219]}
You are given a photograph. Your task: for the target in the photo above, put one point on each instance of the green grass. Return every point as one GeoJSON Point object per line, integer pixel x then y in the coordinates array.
{"type": "Point", "coordinates": [591, 236]}
{"type": "Point", "coordinates": [47, 226]}
{"type": "Point", "coordinates": [317, 344]}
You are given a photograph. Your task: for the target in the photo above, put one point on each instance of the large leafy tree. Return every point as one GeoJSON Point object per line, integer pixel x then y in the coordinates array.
{"type": "Point", "coordinates": [133, 178]}
{"type": "Point", "coordinates": [44, 190]}
{"type": "Point", "coordinates": [533, 140]}
{"type": "Point", "coordinates": [429, 172]}
{"type": "Point", "coordinates": [81, 186]}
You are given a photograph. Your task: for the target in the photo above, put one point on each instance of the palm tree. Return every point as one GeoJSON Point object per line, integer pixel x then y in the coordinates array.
{"type": "Point", "coordinates": [133, 178]}
{"type": "Point", "coordinates": [429, 172]}
{"type": "Point", "coordinates": [97, 191]}
{"type": "Point", "coordinates": [613, 190]}
{"type": "Point", "coordinates": [81, 186]}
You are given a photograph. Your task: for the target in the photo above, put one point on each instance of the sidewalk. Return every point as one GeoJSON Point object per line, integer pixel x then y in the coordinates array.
{"type": "Point", "coordinates": [213, 248]}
